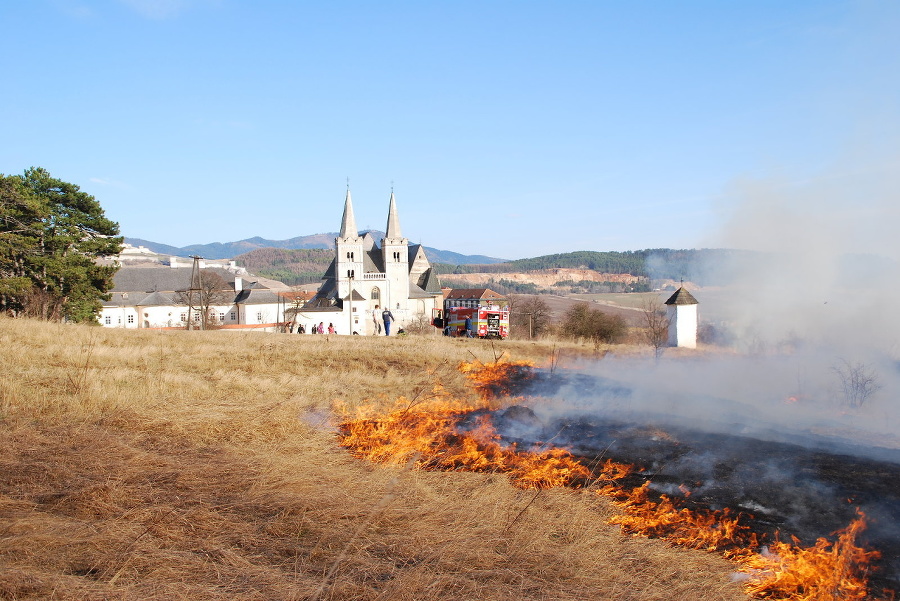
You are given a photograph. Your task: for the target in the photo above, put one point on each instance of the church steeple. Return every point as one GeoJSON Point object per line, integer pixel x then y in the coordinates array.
{"type": "Point", "coordinates": [348, 222]}
{"type": "Point", "coordinates": [393, 223]}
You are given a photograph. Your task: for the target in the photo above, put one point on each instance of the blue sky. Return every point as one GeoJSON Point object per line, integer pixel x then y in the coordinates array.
{"type": "Point", "coordinates": [511, 129]}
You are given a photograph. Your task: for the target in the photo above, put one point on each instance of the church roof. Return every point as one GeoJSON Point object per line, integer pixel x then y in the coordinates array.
{"type": "Point", "coordinates": [432, 285]}
{"type": "Point", "coordinates": [682, 297]}
{"type": "Point", "coordinates": [329, 273]}
{"type": "Point", "coordinates": [348, 221]}
{"type": "Point", "coordinates": [417, 292]}
{"type": "Point", "coordinates": [373, 261]}
{"type": "Point", "coordinates": [392, 230]}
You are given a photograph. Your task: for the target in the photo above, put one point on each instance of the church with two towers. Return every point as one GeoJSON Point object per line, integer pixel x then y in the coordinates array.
{"type": "Point", "coordinates": [364, 279]}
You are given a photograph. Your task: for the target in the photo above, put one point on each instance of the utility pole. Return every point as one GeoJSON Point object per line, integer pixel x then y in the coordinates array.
{"type": "Point", "coordinates": [350, 303]}
{"type": "Point", "coordinates": [196, 286]}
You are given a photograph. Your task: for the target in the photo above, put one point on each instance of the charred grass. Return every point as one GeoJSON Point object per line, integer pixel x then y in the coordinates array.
{"type": "Point", "coordinates": [203, 465]}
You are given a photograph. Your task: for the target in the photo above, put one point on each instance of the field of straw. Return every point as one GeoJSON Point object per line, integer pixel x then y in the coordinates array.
{"type": "Point", "coordinates": [205, 465]}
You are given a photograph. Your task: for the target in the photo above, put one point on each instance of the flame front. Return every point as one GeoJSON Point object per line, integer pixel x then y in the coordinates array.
{"type": "Point", "coordinates": [432, 437]}
{"type": "Point", "coordinates": [824, 572]}
{"type": "Point", "coordinates": [452, 435]}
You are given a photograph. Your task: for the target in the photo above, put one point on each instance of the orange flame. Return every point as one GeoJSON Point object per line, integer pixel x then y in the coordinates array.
{"type": "Point", "coordinates": [500, 378]}
{"type": "Point", "coordinates": [824, 572]}
{"type": "Point", "coordinates": [699, 529]}
{"type": "Point", "coordinates": [434, 440]}
{"type": "Point", "coordinates": [453, 435]}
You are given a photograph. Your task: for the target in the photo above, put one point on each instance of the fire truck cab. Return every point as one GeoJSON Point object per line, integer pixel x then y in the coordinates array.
{"type": "Point", "coordinates": [486, 322]}
{"type": "Point", "coordinates": [486, 309]}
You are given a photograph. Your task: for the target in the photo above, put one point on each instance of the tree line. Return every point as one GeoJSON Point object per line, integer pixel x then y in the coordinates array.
{"type": "Point", "coordinates": [651, 263]}
{"type": "Point", "coordinates": [53, 238]}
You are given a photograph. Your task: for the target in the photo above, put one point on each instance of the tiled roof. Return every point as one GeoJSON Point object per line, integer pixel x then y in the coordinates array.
{"type": "Point", "coordinates": [158, 299]}
{"type": "Point", "coordinates": [472, 293]}
{"type": "Point", "coordinates": [258, 297]}
{"type": "Point", "coordinates": [682, 297]}
{"type": "Point", "coordinates": [159, 279]}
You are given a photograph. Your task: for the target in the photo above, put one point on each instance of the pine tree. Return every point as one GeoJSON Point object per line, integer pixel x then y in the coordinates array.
{"type": "Point", "coordinates": [51, 237]}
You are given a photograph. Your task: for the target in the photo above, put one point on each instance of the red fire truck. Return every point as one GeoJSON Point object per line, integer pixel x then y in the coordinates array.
{"type": "Point", "coordinates": [487, 322]}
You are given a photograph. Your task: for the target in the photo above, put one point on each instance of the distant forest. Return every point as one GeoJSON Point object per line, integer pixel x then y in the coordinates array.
{"type": "Point", "coordinates": [304, 266]}
{"type": "Point", "coordinates": [653, 263]}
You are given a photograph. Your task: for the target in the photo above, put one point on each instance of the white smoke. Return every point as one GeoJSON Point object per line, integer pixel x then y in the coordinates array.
{"type": "Point", "coordinates": [816, 302]}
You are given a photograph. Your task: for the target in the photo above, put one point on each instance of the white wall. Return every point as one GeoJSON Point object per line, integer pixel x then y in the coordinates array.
{"type": "Point", "coordinates": [682, 325]}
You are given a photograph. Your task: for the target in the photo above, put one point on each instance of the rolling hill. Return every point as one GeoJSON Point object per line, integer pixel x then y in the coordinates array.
{"type": "Point", "coordinates": [231, 250]}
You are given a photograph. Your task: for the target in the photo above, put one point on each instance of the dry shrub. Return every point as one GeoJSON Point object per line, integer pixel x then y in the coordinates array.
{"type": "Point", "coordinates": [200, 465]}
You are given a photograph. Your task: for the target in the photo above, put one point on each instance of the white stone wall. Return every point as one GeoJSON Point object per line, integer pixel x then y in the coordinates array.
{"type": "Point", "coordinates": [682, 325]}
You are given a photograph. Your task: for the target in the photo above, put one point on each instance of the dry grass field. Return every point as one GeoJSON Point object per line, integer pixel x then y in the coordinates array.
{"type": "Point", "coordinates": [205, 465]}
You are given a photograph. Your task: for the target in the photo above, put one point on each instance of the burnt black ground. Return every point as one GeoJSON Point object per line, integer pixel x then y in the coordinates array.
{"type": "Point", "coordinates": [804, 490]}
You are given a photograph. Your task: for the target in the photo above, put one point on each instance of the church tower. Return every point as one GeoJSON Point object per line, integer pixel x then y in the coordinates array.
{"type": "Point", "coordinates": [348, 251]}
{"type": "Point", "coordinates": [395, 255]}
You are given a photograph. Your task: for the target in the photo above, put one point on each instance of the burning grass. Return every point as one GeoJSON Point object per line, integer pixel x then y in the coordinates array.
{"type": "Point", "coordinates": [203, 465]}
{"type": "Point", "coordinates": [448, 437]}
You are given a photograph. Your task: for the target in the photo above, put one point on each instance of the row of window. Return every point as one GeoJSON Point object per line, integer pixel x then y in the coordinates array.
{"type": "Point", "coordinates": [108, 320]}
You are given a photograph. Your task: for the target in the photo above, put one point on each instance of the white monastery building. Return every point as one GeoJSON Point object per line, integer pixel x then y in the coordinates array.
{"type": "Point", "coordinates": [362, 280]}
{"type": "Point", "coordinates": [681, 309]}
{"type": "Point", "coordinates": [153, 294]}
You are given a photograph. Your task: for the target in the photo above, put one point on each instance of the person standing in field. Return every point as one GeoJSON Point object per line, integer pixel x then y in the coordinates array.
{"type": "Point", "coordinates": [469, 327]}
{"type": "Point", "coordinates": [331, 328]}
{"type": "Point", "coordinates": [387, 317]}
{"type": "Point", "coordinates": [377, 324]}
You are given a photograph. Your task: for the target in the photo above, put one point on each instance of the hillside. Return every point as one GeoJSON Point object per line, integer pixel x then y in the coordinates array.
{"type": "Point", "coordinates": [291, 266]}
{"type": "Point", "coordinates": [568, 273]}
{"type": "Point", "coordinates": [697, 265]}
{"type": "Point", "coordinates": [230, 250]}
{"type": "Point", "coordinates": [204, 465]}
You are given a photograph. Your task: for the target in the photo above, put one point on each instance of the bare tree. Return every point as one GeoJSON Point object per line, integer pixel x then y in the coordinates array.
{"type": "Point", "coordinates": [656, 324]}
{"type": "Point", "coordinates": [858, 382]}
{"type": "Point", "coordinates": [529, 314]}
{"type": "Point", "coordinates": [211, 290]}
{"type": "Point", "coordinates": [420, 324]}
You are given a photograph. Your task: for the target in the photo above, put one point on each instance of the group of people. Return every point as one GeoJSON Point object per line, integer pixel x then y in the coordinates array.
{"type": "Point", "coordinates": [387, 318]}
{"type": "Point", "coordinates": [317, 329]}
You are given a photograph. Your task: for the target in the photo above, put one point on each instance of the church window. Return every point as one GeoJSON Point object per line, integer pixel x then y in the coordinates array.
{"type": "Point", "coordinates": [108, 320]}
{"type": "Point", "coordinates": [376, 293]}
{"type": "Point", "coordinates": [131, 319]}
